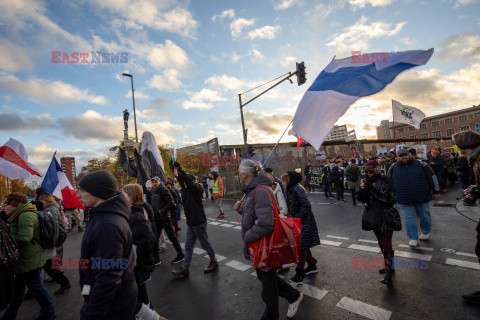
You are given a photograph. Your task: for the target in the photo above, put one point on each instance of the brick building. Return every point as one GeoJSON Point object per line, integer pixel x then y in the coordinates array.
{"type": "Point", "coordinates": [442, 125]}
{"type": "Point", "coordinates": [68, 166]}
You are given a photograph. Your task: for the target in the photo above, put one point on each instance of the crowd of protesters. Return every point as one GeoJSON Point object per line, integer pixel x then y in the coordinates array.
{"type": "Point", "coordinates": [125, 225]}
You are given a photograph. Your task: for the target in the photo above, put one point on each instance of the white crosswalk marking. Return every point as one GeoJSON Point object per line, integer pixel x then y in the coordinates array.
{"type": "Point", "coordinates": [214, 223]}
{"type": "Point", "coordinates": [365, 248]}
{"type": "Point", "coordinates": [466, 254]}
{"type": "Point", "coordinates": [367, 241]}
{"type": "Point", "coordinates": [462, 263]}
{"type": "Point", "coordinates": [336, 237]}
{"type": "Point", "coordinates": [412, 255]}
{"type": "Point", "coordinates": [198, 251]}
{"type": "Point", "coordinates": [238, 265]}
{"type": "Point", "coordinates": [218, 257]}
{"type": "Point", "coordinates": [312, 291]}
{"type": "Point", "coordinates": [330, 243]}
{"type": "Point", "coordinates": [238, 227]}
{"type": "Point", "coordinates": [419, 248]}
{"type": "Point", "coordinates": [364, 309]}
{"type": "Point", "coordinates": [226, 225]}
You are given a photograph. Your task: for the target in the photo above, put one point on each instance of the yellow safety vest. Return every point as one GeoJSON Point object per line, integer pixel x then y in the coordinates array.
{"type": "Point", "coordinates": [216, 188]}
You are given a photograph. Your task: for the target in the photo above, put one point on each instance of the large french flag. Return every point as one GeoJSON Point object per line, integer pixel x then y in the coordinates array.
{"type": "Point", "coordinates": [56, 183]}
{"type": "Point", "coordinates": [343, 82]}
{"type": "Point", "coordinates": [14, 161]}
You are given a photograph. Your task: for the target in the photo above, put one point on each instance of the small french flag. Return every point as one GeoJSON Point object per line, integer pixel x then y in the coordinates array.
{"type": "Point", "coordinates": [56, 183]}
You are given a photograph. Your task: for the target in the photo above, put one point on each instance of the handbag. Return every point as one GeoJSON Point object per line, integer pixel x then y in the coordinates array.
{"type": "Point", "coordinates": [280, 248]}
{"type": "Point", "coordinates": [392, 219]}
{"type": "Point", "coordinates": [372, 218]}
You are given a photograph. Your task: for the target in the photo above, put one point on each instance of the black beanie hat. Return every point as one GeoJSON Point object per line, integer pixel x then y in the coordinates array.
{"type": "Point", "coordinates": [101, 184]}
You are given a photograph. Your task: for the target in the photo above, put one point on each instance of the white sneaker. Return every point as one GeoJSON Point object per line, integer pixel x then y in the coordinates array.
{"type": "Point", "coordinates": [413, 243]}
{"type": "Point", "coordinates": [293, 307]}
{"type": "Point", "coordinates": [424, 237]}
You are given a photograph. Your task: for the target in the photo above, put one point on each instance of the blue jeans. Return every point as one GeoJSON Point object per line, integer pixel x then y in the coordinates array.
{"type": "Point", "coordinates": [33, 282]}
{"type": "Point", "coordinates": [328, 191]}
{"type": "Point", "coordinates": [194, 232]}
{"type": "Point", "coordinates": [410, 213]}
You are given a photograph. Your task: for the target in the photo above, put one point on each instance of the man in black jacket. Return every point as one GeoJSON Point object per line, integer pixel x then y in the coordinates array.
{"type": "Point", "coordinates": [162, 203]}
{"type": "Point", "coordinates": [107, 259]}
{"type": "Point", "coordinates": [192, 194]}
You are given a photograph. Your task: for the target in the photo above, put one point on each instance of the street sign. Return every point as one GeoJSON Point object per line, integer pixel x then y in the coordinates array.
{"type": "Point", "coordinates": [129, 143]}
{"type": "Point", "coordinates": [119, 167]}
{"type": "Point", "coordinates": [120, 173]}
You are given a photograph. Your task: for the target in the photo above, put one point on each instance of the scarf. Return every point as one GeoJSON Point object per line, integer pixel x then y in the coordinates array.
{"type": "Point", "coordinates": [19, 210]}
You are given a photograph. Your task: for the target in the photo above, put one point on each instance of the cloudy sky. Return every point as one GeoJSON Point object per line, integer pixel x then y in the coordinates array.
{"type": "Point", "coordinates": [190, 59]}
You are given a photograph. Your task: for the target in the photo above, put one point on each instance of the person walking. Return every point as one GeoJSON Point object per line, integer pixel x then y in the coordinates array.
{"type": "Point", "coordinates": [416, 185]}
{"type": "Point", "coordinates": [205, 186]}
{"type": "Point", "coordinates": [108, 281]}
{"type": "Point", "coordinates": [469, 143]}
{"type": "Point", "coordinates": [378, 194]}
{"type": "Point", "coordinates": [174, 212]}
{"type": "Point", "coordinates": [307, 174]}
{"type": "Point", "coordinates": [196, 221]}
{"type": "Point", "coordinates": [53, 208]}
{"type": "Point", "coordinates": [336, 177]}
{"type": "Point", "coordinates": [353, 175]}
{"type": "Point", "coordinates": [144, 242]}
{"type": "Point", "coordinates": [73, 215]}
{"type": "Point", "coordinates": [438, 165]}
{"type": "Point", "coordinates": [258, 220]}
{"type": "Point", "coordinates": [25, 229]}
{"type": "Point", "coordinates": [464, 171]}
{"type": "Point", "coordinates": [217, 193]}
{"type": "Point", "coordinates": [210, 186]}
{"type": "Point", "coordinates": [6, 266]}
{"type": "Point", "coordinates": [162, 204]}
{"type": "Point", "coordinates": [299, 206]}
{"type": "Point", "coordinates": [327, 185]}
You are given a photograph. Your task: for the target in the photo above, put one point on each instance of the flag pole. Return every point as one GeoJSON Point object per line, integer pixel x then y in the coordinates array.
{"type": "Point", "coordinates": [394, 140]}
{"type": "Point", "coordinates": [274, 147]}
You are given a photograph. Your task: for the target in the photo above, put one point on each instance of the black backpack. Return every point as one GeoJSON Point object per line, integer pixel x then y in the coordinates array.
{"type": "Point", "coordinates": [353, 174]}
{"type": "Point", "coordinates": [8, 247]}
{"type": "Point", "coordinates": [52, 233]}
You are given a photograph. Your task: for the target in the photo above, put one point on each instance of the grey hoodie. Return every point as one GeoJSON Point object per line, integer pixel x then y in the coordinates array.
{"type": "Point", "coordinates": [257, 214]}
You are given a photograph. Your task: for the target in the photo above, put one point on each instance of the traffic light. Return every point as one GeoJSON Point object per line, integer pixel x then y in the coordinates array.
{"type": "Point", "coordinates": [301, 74]}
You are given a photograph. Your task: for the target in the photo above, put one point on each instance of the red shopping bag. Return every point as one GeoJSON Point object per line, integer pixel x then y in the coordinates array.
{"type": "Point", "coordinates": [279, 249]}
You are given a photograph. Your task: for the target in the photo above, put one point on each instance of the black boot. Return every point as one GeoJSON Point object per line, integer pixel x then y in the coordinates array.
{"type": "Point", "coordinates": [382, 271]}
{"type": "Point", "coordinates": [298, 278]}
{"type": "Point", "coordinates": [388, 273]}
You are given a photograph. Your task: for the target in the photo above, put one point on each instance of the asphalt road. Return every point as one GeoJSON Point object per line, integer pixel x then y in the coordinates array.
{"type": "Point", "coordinates": [336, 292]}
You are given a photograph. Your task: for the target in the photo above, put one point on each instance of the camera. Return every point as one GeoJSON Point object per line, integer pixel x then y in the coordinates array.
{"type": "Point", "coordinates": [472, 196]}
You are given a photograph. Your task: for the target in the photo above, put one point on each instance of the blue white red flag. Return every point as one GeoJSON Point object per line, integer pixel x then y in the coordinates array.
{"type": "Point", "coordinates": [56, 183]}
{"type": "Point", "coordinates": [343, 82]}
{"type": "Point", "coordinates": [14, 161]}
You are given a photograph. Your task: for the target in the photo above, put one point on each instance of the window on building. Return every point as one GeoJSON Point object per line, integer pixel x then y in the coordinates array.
{"type": "Point", "coordinates": [402, 130]}
{"type": "Point", "coordinates": [449, 121]}
{"type": "Point", "coordinates": [423, 126]}
{"type": "Point", "coordinates": [434, 123]}
{"type": "Point", "coordinates": [424, 135]}
{"type": "Point", "coordinates": [463, 118]}
{"type": "Point", "coordinates": [477, 115]}
{"type": "Point", "coordinates": [450, 132]}
{"type": "Point", "coordinates": [410, 128]}
{"type": "Point", "coordinates": [413, 137]}
{"type": "Point", "coordinates": [437, 134]}
{"type": "Point", "coordinates": [464, 128]}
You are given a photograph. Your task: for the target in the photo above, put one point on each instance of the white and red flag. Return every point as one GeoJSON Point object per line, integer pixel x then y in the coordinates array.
{"type": "Point", "coordinates": [14, 161]}
{"type": "Point", "coordinates": [56, 183]}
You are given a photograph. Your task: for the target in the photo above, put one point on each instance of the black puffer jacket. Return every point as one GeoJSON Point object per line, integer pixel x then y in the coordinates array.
{"type": "Point", "coordinates": [299, 207]}
{"type": "Point", "coordinates": [107, 244]}
{"type": "Point", "coordinates": [192, 194]}
{"type": "Point", "coordinates": [143, 237]}
{"type": "Point", "coordinates": [464, 171]}
{"type": "Point", "coordinates": [162, 202]}
{"type": "Point", "coordinates": [379, 194]}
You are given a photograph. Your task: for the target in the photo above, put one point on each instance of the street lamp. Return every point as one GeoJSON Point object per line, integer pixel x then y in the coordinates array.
{"type": "Point", "coordinates": [134, 112]}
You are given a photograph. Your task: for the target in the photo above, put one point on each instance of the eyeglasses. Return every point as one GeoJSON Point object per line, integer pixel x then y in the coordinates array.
{"type": "Point", "coordinates": [404, 155]}
{"type": "Point", "coordinates": [369, 171]}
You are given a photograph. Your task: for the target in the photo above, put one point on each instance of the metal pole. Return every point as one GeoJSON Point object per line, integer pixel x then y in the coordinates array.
{"type": "Point", "coordinates": [128, 165]}
{"type": "Point", "coordinates": [274, 147]}
{"type": "Point", "coordinates": [134, 112]}
{"type": "Point", "coordinates": [243, 123]}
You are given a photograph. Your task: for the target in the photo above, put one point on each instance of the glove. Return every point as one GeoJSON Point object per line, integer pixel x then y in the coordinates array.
{"type": "Point", "coordinates": [177, 166]}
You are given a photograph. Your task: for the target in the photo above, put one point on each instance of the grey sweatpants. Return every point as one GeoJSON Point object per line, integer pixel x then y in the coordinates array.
{"type": "Point", "coordinates": [194, 232]}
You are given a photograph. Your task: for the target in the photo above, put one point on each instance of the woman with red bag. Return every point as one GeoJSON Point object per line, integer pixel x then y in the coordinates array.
{"type": "Point", "coordinates": [299, 207]}
{"type": "Point", "coordinates": [258, 220]}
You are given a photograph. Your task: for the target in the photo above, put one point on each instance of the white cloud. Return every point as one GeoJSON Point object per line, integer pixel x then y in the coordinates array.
{"type": "Point", "coordinates": [151, 113]}
{"type": "Point", "coordinates": [11, 122]}
{"type": "Point", "coordinates": [14, 57]}
{"type": "Point", "coordinates": [256, 56]}
{"type": "Point", "coordinates": [374, 3]}
{"type": "Point", "coordinates": [203, 99]}
{"type": "Point", "coordinates": [267, 32]}
{"type": "Point", "coordinates": [48, 92]}
{"type": "Point", "coordinates": [138, 95]}
{"type": "Point", "coordinates": [239, 24]}
{"type": "Point", "coordinates": [235, 57]}
{"type": "Point", "coordinates": [159, 15]}
{"type": "Point", "coordinates": [225, 14]}
{"type": "Point", "coordinates": [93, 127]}
{"type": "Point", "coordinates": [222, 126]}
{"type": "Point", "coordinates": [226, 82]}
{"type": "Point", "coordinates": [168, 55]}
{"type": "Point", "coordinates": [289, 61]}
{"type": "Point", "coordinates": [464, 46]}
{"type": "Point", "coordinates": [318, 14]}
{"type": "Point", "coordinates": [462, 3]}
{"type": "Point", "coordinates": [357, 36]}
{"type": "Point", "coordinates": [283, 4]}
{"type": "Point", "coordinates": [169, 80]}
